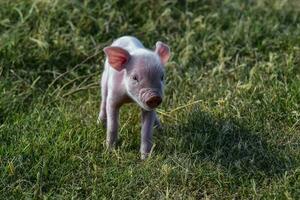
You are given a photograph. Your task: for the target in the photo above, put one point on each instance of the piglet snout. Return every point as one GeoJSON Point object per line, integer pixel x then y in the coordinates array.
{"type": "Point", "coordinates": [151, 97]}
{"type": "Point", "coordinates": [153, 101]}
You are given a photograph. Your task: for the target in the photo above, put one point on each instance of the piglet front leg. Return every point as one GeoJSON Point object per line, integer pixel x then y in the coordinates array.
{"type": "Point", "coordinates": [148, 118]}
{"type": "Point", "coordinates": [112, 124]}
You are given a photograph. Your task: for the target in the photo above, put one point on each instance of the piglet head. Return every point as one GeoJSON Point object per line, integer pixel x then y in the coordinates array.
{"type": "Point", "coordinates": [144, 72]}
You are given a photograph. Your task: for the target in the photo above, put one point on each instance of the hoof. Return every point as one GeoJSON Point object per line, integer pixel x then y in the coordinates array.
{"type": "Point", "coordinates": [102, 121]}
{"type": "Point", "coordinates": [144, 156]}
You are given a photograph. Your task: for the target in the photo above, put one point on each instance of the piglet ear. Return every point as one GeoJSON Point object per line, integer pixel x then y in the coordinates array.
{"type": "Point", "coordinates": [117, 57]}
{"type": "Point", "coordinates": [163, 51]}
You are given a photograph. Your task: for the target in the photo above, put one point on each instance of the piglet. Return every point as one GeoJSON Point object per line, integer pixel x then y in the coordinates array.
{"type": "Point", "coordinates": [132, 74]}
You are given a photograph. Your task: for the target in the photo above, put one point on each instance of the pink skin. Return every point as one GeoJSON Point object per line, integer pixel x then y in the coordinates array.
{"type": "Point", "coordinates": [132, 74]}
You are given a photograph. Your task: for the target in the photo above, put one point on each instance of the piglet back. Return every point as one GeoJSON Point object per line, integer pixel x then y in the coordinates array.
{"type": "Point", "coordinates": [128, 43]}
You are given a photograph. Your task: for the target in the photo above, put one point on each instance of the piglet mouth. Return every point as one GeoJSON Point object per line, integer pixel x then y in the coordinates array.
{"type": "Point", "coordinates": [151, 98]}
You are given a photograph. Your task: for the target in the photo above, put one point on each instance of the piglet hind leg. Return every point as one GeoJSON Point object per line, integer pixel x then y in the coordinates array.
{"type": "Point", "coordinates": [148, 118]}
{"type": "Point", "coordinates": [102, 118]}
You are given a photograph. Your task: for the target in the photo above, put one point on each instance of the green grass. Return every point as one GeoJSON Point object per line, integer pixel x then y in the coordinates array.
{"type": "Point", "coordinates": [231, 112]}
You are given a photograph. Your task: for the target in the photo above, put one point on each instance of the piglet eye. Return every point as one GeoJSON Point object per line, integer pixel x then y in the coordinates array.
{"type": "Point", "coordinates": [135, 78]}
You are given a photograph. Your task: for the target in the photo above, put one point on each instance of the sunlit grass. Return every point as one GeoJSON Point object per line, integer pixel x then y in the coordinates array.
{"type": "Point", "coordinates": [231, 113]}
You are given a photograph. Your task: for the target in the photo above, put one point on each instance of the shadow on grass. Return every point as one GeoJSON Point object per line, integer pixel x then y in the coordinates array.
{"type": "Point", "coordinates": [226, 143]}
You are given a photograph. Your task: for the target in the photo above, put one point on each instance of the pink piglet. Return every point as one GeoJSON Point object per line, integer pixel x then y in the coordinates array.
{"type": "Point", "coordinates": [132, 74]}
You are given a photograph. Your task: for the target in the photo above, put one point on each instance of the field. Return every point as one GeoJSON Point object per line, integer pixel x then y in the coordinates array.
{"type": "Point", "coordinates": [231, 112]}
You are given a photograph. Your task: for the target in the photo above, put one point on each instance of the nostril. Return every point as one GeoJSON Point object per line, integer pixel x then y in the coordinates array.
{"type": "Point", "coordinates": [153, 102]}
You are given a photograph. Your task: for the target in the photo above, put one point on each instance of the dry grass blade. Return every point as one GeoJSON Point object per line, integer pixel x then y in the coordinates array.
{"type": "Point", "coordinates": [90, 86]}
{"type": "Point", "coordinates": [97, 52]}
{"type": "Point", "coordinates": [58, 91]}
{"type": "Point", "coordinates": [184, 106]}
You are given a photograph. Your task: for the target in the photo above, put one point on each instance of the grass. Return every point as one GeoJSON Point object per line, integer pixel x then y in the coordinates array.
{"type": "Point", "coordinates": [231, 112]}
